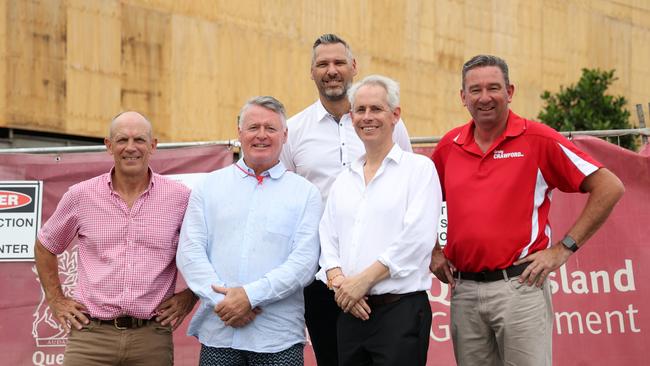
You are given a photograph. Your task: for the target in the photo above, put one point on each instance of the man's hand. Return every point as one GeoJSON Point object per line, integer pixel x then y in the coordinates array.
{"type": "Point", "coordinates": [235, 309]}
{"type": "Point", "coordinates": [350, 291]}
{"type": "Point", "coordinates": [246, 319]}
{"type": "Point", "coordinates": [542, 263]}
{"type": "Point", "coordinates": [441, 267]}
{"type": "Point", "coordinates": [361, 309]}
{"type": "Point", "coordinates": [67, 311]}
{"type": "Point", "coordinates": [174, 310]}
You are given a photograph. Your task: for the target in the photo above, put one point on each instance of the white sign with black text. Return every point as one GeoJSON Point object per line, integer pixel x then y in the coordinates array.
{"type": "Point", "coordinates": [20, 219]}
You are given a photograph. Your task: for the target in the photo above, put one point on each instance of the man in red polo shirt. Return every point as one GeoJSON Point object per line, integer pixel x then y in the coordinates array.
{"type": "Point", "coordinates": [497, 173]}
{"type": "Point", "coordinates": [127, 222]}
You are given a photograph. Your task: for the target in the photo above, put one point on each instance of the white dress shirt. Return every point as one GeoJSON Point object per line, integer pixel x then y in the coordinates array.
{"type": "Point", "coordinates": [392, 220]}
{"type": "Point", "coordinates": [319, 148]}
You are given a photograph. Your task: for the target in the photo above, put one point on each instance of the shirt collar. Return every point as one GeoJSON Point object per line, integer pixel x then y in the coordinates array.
{"type": "Point", "coordinates": [515, 126]}
{"type": "Point", "coordinates": [395, 154]}
{"type": "Point", "coordinates": [274, 173]}
{"type": "Point", "coordinates": [321, 112]}
{"type": "Point", "coordinates": [109, 179]}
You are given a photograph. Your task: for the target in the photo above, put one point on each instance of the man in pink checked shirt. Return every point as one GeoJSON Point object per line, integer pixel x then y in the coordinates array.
{"type": "Point", "coordinates": [127, 222]}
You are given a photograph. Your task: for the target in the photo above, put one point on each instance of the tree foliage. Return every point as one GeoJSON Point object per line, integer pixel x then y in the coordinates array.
{"type": "Point", "coordinates": [585, 106]}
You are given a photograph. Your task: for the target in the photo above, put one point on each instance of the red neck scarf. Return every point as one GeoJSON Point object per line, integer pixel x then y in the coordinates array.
{"type": "Point", "coordinates": [259, 178]}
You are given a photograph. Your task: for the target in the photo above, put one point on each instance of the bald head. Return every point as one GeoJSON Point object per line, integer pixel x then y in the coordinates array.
{"type": "Point", "coordinates": [130, 117]}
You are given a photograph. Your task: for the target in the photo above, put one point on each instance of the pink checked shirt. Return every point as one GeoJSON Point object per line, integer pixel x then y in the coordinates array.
{"type": "Point", "coordinates": [126, 262]}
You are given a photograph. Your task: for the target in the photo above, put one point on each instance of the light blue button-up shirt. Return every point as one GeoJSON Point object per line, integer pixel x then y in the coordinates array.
{"type": "Point", "coordinates": [262, 237]}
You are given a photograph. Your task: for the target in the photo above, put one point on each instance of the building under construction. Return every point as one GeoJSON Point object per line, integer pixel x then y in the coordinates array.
{"type": "Point", "coordinates": [68, 66]}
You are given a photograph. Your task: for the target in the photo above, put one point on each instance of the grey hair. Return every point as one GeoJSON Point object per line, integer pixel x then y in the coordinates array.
{"type": "Point", "coordinates": [483, 61]}
{"type": "Point", "coordinates": [112, 124]}
{"type": "Point", "coordinates": [391, 86]}
{"type": "Point", "coordinates": [330, 38]}
{"type": "Point", "coordinates": [267, 102]}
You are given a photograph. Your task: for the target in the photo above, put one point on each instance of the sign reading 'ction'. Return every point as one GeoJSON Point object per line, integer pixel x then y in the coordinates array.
{"type": "Point", "coordinates": [20, 219]}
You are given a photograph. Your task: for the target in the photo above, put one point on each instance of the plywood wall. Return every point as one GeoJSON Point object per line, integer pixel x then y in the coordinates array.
{"type": "Point", "coordinates": [68, 66]}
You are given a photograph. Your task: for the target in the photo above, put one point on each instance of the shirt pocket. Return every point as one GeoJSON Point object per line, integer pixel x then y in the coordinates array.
{"type": "Point", "coordinates": [283, 221]}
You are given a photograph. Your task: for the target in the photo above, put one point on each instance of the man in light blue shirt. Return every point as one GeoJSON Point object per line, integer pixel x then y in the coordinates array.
{"type": "Point", "coordinates": [248, 246]}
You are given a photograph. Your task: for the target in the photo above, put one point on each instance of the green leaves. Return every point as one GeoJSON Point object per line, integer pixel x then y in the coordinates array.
{"type": "Point", "coordinates": [585, 106]}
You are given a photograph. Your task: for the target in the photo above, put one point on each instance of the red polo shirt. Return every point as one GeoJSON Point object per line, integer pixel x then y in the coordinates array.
{"type": "Point", "coordinates": [498, 202]}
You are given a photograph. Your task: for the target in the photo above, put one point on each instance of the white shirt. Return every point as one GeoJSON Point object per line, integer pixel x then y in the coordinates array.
{"type": "Point", "coordinates": [392, 220]}
{"type": "Point", "coordinates": [319, 148]}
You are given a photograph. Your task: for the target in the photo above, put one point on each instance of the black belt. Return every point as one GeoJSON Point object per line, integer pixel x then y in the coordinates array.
{"type": "Point", "coordinates": [491, 276]}
{"type": "Point", "coordinates": [385, 299]}
{"type": "Point", "coordinates": [123, 322]}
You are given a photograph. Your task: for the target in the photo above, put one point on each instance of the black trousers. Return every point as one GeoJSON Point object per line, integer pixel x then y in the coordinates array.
{"type": "Point", "coordinates": [321, 314]}
{"type": "Point", "coordinates": [396, 334]}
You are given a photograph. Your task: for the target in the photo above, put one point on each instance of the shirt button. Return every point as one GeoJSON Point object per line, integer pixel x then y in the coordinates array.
{"type": "Point", "coordinates": [343, 164]}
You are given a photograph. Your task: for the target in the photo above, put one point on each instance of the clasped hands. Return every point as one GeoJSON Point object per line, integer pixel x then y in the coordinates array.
{"type": "Point", "coordinates": [235, 309]}
{"type": "Point", "coordinates": [350, 293]}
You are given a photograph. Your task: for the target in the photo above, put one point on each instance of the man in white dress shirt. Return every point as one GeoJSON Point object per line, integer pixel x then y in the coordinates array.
{"type": "Point", "coordinates": [376, 232]}
{"type": "Point", "coordinates": [321, 144]}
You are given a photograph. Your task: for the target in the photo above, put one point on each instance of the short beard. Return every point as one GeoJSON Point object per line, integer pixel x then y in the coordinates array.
{"type": "Point", "coordinates": [329, 94]}
{"type": "Point", "coordinates": [335, 97]}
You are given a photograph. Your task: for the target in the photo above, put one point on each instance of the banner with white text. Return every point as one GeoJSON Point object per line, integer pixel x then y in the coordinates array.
{"type": "Point", "coordinates": [601, 301]}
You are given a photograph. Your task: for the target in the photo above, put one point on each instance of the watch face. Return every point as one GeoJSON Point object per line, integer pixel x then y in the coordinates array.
{"type": "Point", "coordinates": [570, 243]}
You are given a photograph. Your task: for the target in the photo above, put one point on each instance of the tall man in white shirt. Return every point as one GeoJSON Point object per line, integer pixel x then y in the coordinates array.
{"type": "Point", "coordinates": [378, 226]}
{"type": "Point", "coordinates": [321, 144]}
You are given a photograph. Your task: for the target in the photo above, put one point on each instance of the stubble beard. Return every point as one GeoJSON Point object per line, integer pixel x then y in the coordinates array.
{"type": "Point", "coordinates": [337, 94]}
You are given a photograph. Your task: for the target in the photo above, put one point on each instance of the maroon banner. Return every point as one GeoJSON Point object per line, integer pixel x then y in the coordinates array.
{"type": "Point", "coordinates": [601, 299]}
{"type": "Point", "coordinates": [28, 333]}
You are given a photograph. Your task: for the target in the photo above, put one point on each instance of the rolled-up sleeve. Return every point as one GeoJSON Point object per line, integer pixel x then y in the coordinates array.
{"type": "Point", "coordinates": [418, 235]}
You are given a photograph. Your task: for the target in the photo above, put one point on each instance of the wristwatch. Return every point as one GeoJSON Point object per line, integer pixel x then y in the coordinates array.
{"type": "Point", "coordinates": [569, 243]}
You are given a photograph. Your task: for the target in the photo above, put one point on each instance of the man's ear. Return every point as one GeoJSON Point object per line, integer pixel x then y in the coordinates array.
{"type": "Point", "coordinates": [108, 143]}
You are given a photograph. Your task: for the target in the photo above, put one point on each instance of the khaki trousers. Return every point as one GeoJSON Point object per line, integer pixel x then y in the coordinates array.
{"type": "Point", "coordinates": [104, 344]}
{"type": "Point", "coordinates": [501, 323]}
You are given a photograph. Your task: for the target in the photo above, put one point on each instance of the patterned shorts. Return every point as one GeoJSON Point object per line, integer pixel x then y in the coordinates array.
{"type": "Point", "coordinates": [213, 356]}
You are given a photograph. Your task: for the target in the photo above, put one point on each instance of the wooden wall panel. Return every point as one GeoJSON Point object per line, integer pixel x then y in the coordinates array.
{"type": "Point", "coordinates": [69, 66]}
{"type": "Point", "coordinates": [146, 66]}
{"type": "Point", "coordinates": [4, 24]}
{"type": "Point", "coordinates": [35, 42]}
{"type": "Point", "coordinates": [93, 66]}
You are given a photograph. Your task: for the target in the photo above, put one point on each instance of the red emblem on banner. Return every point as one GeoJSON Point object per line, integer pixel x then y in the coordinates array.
{"type": "Point", "coordinates": [10, 199]}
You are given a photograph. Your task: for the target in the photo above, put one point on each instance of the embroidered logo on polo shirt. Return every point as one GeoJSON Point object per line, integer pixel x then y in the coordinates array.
{"type": "Point", "coordinates": [500, 154]}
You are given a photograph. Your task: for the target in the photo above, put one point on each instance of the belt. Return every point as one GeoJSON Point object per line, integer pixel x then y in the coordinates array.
{"type": "Point", "coordinates": [123, 322]}
{"type": "Point", "coordinates": [385, 299]}
{"type": "Point", "coordinates": [491, 276]}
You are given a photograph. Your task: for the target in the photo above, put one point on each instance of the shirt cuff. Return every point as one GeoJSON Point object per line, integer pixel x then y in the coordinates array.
{"type": "Point", "coordinates": [212, 300]}
{"type": "Point", "coordinates": [394, 270]}
{"type": "Point", "coordinates": [321, 275]}
{"type": "Point", "coordinates": [254, 292]}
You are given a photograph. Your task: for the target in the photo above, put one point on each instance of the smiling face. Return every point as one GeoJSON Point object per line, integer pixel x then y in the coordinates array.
{"type": "Point", "coordinates": [261, 135]}
{"type": "Point", "coordinates": [131, 145]}
{"type": "Point", "coordinates": [372, 117]}
{"type": "Point", "coordinates": [486, 96]}
{"type": "Point", "coordinates": [332, 70]}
